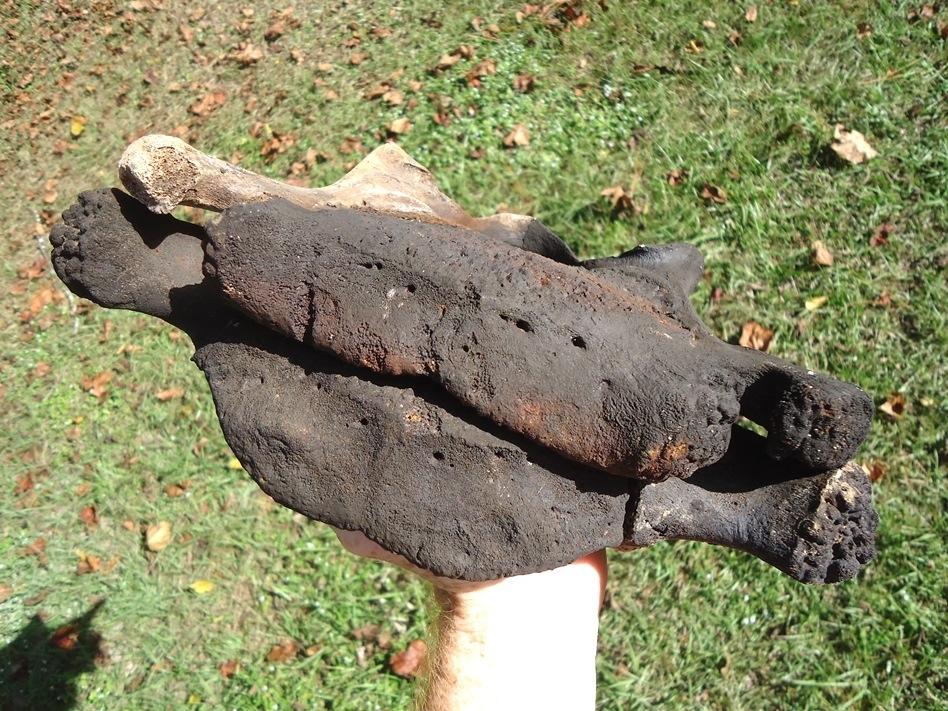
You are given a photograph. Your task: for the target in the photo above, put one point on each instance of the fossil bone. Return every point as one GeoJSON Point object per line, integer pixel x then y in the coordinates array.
{"type": "Point", "coordinates": [424, 478]}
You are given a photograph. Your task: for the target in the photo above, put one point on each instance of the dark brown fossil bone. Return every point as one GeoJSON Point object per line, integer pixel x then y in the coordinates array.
{"type": "Point", "coordinates": [601, 371]}
{"type": "Point", "coordinates": [424, 477]}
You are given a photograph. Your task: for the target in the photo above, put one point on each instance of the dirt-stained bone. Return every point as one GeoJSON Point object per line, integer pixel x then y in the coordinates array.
{"type": "Point", "coordinates": [421, 476]}
{"type": "Point", "coordinates": [605, 374]}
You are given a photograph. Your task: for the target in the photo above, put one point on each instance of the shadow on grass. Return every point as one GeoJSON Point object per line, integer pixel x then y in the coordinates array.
{"type": "Point", "coordinates": [39, 669]}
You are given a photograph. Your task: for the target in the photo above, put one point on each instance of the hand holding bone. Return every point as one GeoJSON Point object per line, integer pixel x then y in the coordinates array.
{"type": "Point", "coordinates": [464, 390]}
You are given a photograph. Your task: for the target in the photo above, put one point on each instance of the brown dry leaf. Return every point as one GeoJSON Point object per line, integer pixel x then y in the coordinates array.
{"type": "Point", "coordinates": [351, 144]}
{"type": "Point", "coordinates": [229, 669]}
{"type": "Point", "coordinates": [399, 126]}
{"type": "Point", "coordinates": [393, 97]}
{"type": "Point", "coordinates": [821, 255]}
{"type": "Point", "coordinates": [713, 194]}
{"type": "Point", "coordinates": [95, 384]}
{"type": "Point", "coordinates": [32, 271]}
{"type": "Point", "coordinates": [894, 406]}
{"type": "Point", "coordinates": [677, 178]}
{"type": "Point", "coordinates": [246, 54]}
{"type": "Point", "coordinates": [357, 58]}
{"type": "Point", "coordinates": [519, 136]}
{"type": "Point", "coordinates": [377, 91]}
{"type": "Point", "coordinates": [524, 83]}
{"type": "Point", "coordinates": [284, 652]}
{"type": "Point", "coordinates": [863, 30]}
{"type": "Point", "coordinates": [324, 67]}
{"type": "Point", "coordinates": [874, 470]}
{"type": "Point", "coordinates": [170, 394]}
{"type": "Point", "coordinates": [622, 200]}
{"type": "Point", "coordinates": [37, 548]}
{"type": "Point", "coordinates": [90, 517]}
{"type": "Point", "coordinates": [158, 536]}
{"type": "Point", "coordinates": [275, 31]}
{"type": "Point", "coordinates": [209, 103]}
{"type": "Point", "coordinates": [408, 663]}
{"type": "Point", "coordinates": [484, 68]}
{"type": "Point", "coordinates": [187, 33]}
{"type": "Point", "coordinates": [173, 491]}
{"type": "Point", "coordinates": [925, 12]}
{"type": "Point", "coordinates": [5, 592]}
{"type": "Point", "coordinates": [751, 14]}
{"type": "Point", "coordinates": [87, 563]}
{"type": "Point", "coordinates": [24, 483]}
{"type": "Point", "coordinates": [755, 336]}
{"type": "Point", "coordinates": [852, 146]}
{"type": "Point", "coordinates": [66, 637]}
{"type": "Point", "coordinates": [881, 236]}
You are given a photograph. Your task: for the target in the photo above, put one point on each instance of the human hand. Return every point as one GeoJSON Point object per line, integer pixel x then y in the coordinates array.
{"type": "Point", "coordinates": [527, 641]}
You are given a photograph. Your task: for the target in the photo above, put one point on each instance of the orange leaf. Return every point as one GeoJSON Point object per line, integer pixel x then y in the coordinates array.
{"type": "Point", "coordinates": [170, 394]}
{"type": "Point", "coordinates": [755, 336]}
{"type": "Point", "coordinates": [519, 136]}
{"type": "Point", "coordinates": [408, 663]}
{"type": "Point", "coordinates": [90, 517]}
{"type": "Point", "coordinates": [400, 125]}
{"type": "Point", "coordinates": [713, 194]}
{"type": "Point", "coordinates": [821, 255]}
{"type": "Point", "coordinates": [894, 406]}
{"type": "Point", "coordinates": [284, 652]}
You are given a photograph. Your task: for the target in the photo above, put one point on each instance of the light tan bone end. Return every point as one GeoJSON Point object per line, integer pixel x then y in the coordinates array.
{"type": "Point", "coordinates": [162, 172]}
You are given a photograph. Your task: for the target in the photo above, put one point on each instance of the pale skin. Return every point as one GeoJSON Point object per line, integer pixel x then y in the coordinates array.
{"type": "Point", "coordinates": [523, 642]}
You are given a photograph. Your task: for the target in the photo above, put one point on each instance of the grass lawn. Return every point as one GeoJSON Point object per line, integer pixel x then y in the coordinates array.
{"type": "Point", "coordinates": [715, 121]}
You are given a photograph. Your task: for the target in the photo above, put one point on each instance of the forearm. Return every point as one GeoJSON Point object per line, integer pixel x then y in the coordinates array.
{"type": "Point", "coordinates": [524, 642]}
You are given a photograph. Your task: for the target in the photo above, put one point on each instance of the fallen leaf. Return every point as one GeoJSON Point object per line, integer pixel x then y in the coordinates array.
{"type": "Point", "coordinates": [399, 126]}
{"type": "Point", "coordinates": [622, 200]}
{"type": "Point", "coordinates": [815, 303]}
{"type": "Point", "coordinates": [246, 54]}
{"type": "Point", "coordinates": [24, 483]}
{"type": "Point", "coordinates": [95, 384]}
{"type": "Point", "coordinates": [357, 58]}
{"type": "Point", "coordinates": [284, 652]}
{"type": "Point", "coordinates": [275, 31]}
{"type": "Point", "coordinates": [894, 406]}
{"type": "Point", "coordinates": [37, 548]}
{"type": "Point", "coordinates": [821, 255]}
{"type": "Point", "coordinates": [90, 517]}
{"type": "Point", "coordinates": [170, 394]}
{"type": "Point", "coordinates": [751, 14]}
{"type": "Point", "coordinates": [158, 536]}
{"type": "Point", "coordinates": [377, 91]}
{"type": "Point", "coordinates": [524, 83]}
{"type": "Point", "coordinates": [408, 663]}
{"type": "Point", "coordinates": [677, 178]}
{"type": "Point", "coordinates": [852, 146]}
{"type": "Point", "coordinates": [77, 124]}
{"type": "Point", "coordinates": [173, 491]}
{"type": "Point", "coordinates": [87, 563]}
{"type": "Point", "coordinates": [863, 30]}
{"type": "Point", "coordinates": [393, 97]}
{"type": "Point", "coordinates": [884, 299]}
{"type": "Point", "coordinates": [229, 669]}
{"type": "Point", "coordinates": [66, 637]}
{"type": "Point", "coordinates": [201, 587]}
{"type": "Point", "coordinates": [351, 145]}
{"type": "Point", "coordinates": [234, 464]}
{"type": "Point", "coordinates": [5, 592]}
{"type": "Point", "coordinates": [880, 237]}
{"type": "Point", "coordinates": [208, 103]}
{"type": "Point", "coordinates": [874, 470]}
{"type": "Point", "coordinates": [519, 136]}
{"type": "Point", "coordinates": [755, 336]}
{"type": "Point", "coordinates": [713, 194]}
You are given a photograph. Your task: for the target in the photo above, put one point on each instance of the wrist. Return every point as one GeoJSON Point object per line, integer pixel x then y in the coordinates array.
{"type": "Point", "coordinates": [522, 642]}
